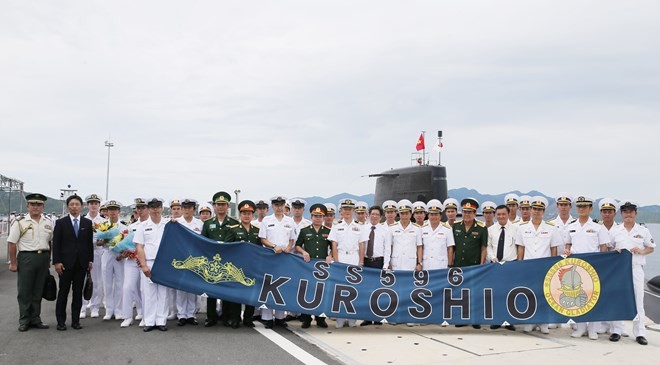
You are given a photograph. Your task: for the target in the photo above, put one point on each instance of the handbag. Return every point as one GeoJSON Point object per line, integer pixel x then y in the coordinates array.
{"type": "Point", "coordinates": [89, 287]}
{"type": "Point", "coordinates": [50, 288]}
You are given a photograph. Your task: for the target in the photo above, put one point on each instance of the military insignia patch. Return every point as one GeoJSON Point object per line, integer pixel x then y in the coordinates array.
{"type": "Point", "coordinates": [571, 287]}
{"type": "Point", "coordinates": [213, 272]}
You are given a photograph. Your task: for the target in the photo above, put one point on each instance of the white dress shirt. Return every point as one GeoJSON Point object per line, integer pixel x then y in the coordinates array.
{"type": "Point", "coordinates": [382, 242]}
{"type": "Point", "coordinates": [510, 230]}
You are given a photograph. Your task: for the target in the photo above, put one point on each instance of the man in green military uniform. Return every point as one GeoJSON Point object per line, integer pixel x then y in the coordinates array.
{"type": "Point", "coordinates": [29, 247]}
{"type": "Point", "coordinates": [217, 229]}
{"type": "Point", "coordinates": [470, 237]}
{"type": "Point", "coordinates": [313, 243]}
{"type": "Point", "coordinates": [245, 231]}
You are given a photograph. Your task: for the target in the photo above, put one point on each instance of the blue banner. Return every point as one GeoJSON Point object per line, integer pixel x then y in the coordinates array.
{"type": "Point", "coordinates": [582, 288]}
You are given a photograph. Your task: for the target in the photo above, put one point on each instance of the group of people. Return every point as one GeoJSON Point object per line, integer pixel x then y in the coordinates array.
{"type": "Point", "coordinates": [395, 236]}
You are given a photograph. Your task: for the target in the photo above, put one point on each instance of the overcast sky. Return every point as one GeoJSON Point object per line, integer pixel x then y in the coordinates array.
{"type": "Point", "coordinates": [304, 98]}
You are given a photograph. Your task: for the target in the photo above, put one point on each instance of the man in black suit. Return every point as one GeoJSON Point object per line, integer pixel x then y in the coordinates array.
{"type": "Point", "coordinates": [73, 254]}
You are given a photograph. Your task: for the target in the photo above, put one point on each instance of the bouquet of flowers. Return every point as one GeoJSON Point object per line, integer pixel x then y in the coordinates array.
{"type": "Point", "coordinates": [125, 248]}
{"type": "Point", "coordinates": [108, 234]}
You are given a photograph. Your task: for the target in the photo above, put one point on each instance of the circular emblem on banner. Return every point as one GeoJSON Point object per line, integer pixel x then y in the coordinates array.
{"type": "Point", "coordinates": [571, 287]}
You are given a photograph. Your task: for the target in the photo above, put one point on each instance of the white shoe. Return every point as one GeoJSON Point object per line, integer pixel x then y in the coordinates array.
{"type": "Point", "coordinates": [528, 328]}
{"type": "Point", "coordinates": [138, 317]}
{"type": "Point", "coordinates": [119, 318]}
{"type": "Point", "coordinates": [552, 326]}
{"type": "Point", "coordinates": [107, 317]}
{"type": "Point", "coordinates": [171, 317]}
{"type": "Point", "coordinates": [544, 329]}
{"type": "Point", "coordinates": [95, 314]}
{"type": "Point", "coordinates": [127, 322]}
{"type": "Point", "coordinates": [577, 334]}
{"type": "Point", "coordinates": [83, 314]}
{"type": "Point", "coordinates": [352, 324]}
{"type": "Point", "coordinates": [593, 335]}
{"type": "Point", "coordinates": [141, 323]}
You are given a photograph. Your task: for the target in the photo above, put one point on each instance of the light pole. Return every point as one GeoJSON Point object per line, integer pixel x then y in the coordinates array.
{"type": "Point", "coordinates": [107, 175]}
{"type": "Point", "coordinates": [236, 192]}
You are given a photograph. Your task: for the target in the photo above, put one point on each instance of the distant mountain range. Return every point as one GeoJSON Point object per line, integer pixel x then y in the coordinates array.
{"type": "Point", "coordinates": [647, 214]}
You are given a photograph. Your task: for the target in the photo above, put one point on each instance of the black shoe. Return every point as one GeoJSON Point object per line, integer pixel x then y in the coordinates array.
{"type": "Point", "coordinates": [23, 328]}
{"type": "Point", "coordinates": [234, 323]}
{"type": "Point", "coordinates": [306, 324]}
{"type": "Point", "coordinates": [510, 327]}
{"type": "Point", "coordinates": [641, 340]}
{"type": "Point", "coordinates": [615, 337]}
{"type": "Point", "coordinates": [366, 323]}
{"type": "Point", "coordinates": [76, 326]}
{"type": "Point", "coordinates": [289, 318]}
{"type": "Point", "coordinates": [476, 326]}
{"type": "Point", "coordinates": [40, 325]}
{"type": "Point", "coordinates": [495, 326]}
{"type": "Point", "coordinates": [210, 323]}
{"type": "Point", "coordinates": [192, 321]}
{"type": "Point", "coordinates": [269, 324]}
{"type": "Point", "coordinates": [61, 327]}
{"type": "Point", "coordinates": [148, 328]}
{"type": "Point", "coordinates": [182, 322]}
{"type": "Point", "coordinates": [459, 325]}
{"type": "Point", "coordinates": [162, 328]}
{"type": "Point", "coordinates": [378, 323]}
{"type": "Point", "coordinates": [281, 323]}
{"type": "Point", "coordinates": [320, 322]}
{"type": "Point", "coordinates": [248, 324]}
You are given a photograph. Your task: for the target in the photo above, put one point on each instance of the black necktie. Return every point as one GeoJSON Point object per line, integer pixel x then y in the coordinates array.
{"type": "Point", "coordinates": [500, 245]}
{"type": "Point", "coordinates": [370, 245]}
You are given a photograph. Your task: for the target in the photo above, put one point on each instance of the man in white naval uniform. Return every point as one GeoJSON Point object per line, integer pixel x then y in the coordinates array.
{"type": "Point", "coordinates": [345, 237]}
{"type": "Point", "coordinates": [93, 202]}
{"type": "Point", "coordinates": [329, 218]}
{"type": "Point", "coordinates": [511, 201]}
{"type": "Point", "coordinates": [536, 239]}
{"type": "Point", "coordinates": [390, 208]}
{"type": "Point", "coordinates": [260, 214]}
{"type": "Point", "coordinates": [147, 241]}
{"type": "Point", "coordinates": [525, 207]}
{"type": "Point", "coordinates": [437, 239]}
{"type": "Point", "coordinates": [176, 212]}
{"type": "Point", "coordinates": [564, 204]}
{"type": "Point", "coordinates": [277, 232]}
{"type": "Point", "coordinates": [131, 292]}
{"type": "Point", "coordinates": [488, 209]}
{"type": "Point", "coordinates": [187, 302]}
{"type": "Point", "coordinates": [586, 236]}
{"type": "Point", "coordinates": [451, 210]}
{"type": "Point", "coordinates": [113, 270]}
{"type": "Point", "coordinates": [407, 249]}
{"type": "Point", "coordinates": [637, 239]}
{"type": "Point", "coordinates": [297, 209]}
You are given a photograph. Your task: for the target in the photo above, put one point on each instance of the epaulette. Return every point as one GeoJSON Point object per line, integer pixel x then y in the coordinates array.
{"type": "Point", "coordinates": [446, 224]}
{"type": "Point", "coordinates": [416, 225]}
{"type": "Point", "coordinates": [358, 222]}
{"type": "Point", "coordinates": [480, 223]}
{"type": "Point", "coordinates": [521, 223]}
{"type": "Point", "coordinates": [642, 224]}
{"type": "Point", "coordinates": [458, 221]}
{"type": "Point", "coordinates": [550, 223]}
{"type": "Point", "coordinates": [336, 222]}
{"type": "Point", "coordinates": [20, 218]}
{"type": "Point", "coordinates": [393, 224]}
{"type": "Point", "coordinates": [597, 221]}
{"type": "Point", "coordinates": [516, 221]}
{"type": "Point", "coordinates": [573, 221]}
{"type": "Point", "coordinates": [233, 226]}
{"type": "Point", "coordinates": [426, 223]}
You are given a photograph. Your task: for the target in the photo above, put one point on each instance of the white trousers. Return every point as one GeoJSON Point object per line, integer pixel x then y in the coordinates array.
{"type": "Point", "coordinates": [171, 305]}
{"type": "Point", "coordinates": [185, 304]}
{"type": "Point", "coordinates": [94, 302]}
{"type": "Point", "coordinates": [131, 292]}
{"type": "Point", "coordinates": [154, 305]}
{"type": "Point", "coordinates": [113, 282]}
{"type": "Point", "coordinates": [638, 287]}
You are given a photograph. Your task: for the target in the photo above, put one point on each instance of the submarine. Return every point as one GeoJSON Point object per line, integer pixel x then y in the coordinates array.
{"type": "Point", "coordinates": [422, 181]}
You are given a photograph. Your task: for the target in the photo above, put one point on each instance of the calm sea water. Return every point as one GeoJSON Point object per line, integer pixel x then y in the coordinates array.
{"type": "Point", "coordinates": [652, 267]}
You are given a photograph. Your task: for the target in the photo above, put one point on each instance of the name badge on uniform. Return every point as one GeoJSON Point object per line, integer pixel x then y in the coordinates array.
{"type": "Point", "coordinates": [340, 229]}
{"type": "Point", "coordinates": [212, 225]}
{"type": "Point", "coordinates": [475, 233]}
{"type": "Point", "coordinates": [148, 229]}
{"type": "Point", "coordinates": [271, 225]}
{"type": "Point", "coordinates": [356, 229]}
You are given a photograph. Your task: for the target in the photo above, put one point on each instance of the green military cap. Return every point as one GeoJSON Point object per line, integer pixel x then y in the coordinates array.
{"type": "Point", "coordinates": [247, 205]}
{"type": "Point", "coordinates": [318, 209]}
{"type": "Point", "coordinates": [92, 198]}
{"type": "Point", "coordinates": [469, 204]}
{"type": "Point", "coordinates": [36, 198]}
{"type": "Point", "coordinates": [113, 204]}
{"type": "Point", "coordinates": [221, 197]}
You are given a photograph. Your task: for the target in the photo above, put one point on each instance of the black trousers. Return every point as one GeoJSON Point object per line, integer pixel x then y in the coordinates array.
{"type": "Point", "coordinates": [72, 277]}
{"type": "Point", "coordinates": [378, 263]}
